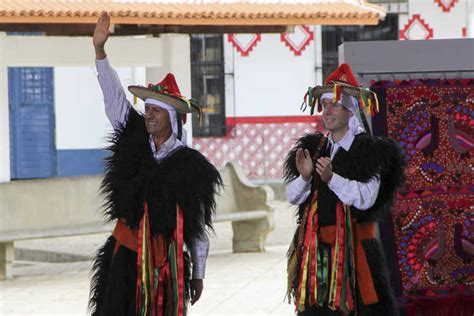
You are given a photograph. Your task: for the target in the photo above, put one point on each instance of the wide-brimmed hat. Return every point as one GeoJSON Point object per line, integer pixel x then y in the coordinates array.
{"type": "Point", "coordinates": [342, 81]}
{"type": "Point", "coordinates": [166, 91]}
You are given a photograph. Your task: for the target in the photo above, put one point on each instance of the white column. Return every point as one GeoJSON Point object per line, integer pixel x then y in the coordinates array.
{"type": "Point", "coordinates": [318, 54]}
{"type": "Point", "coordinates": [470, 18]}
{"type": "Point", "coordinates": [4, 114]}
{"type": "Point", "coordinates": [229, 84]}
{"type": "Point", "coordinates": [176, 52]}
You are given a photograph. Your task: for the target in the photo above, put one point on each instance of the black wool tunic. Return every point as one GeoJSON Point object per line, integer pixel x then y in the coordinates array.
{"type": "Point", "coordinates": [367, 157]}
{"type": "Point", "coordinates": [185, 178]}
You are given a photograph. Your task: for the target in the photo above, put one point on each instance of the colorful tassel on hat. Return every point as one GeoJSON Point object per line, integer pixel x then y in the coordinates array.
{"type": "Point", "coordinates": [304, 104]}
{"type": "Point", "coordinates": [336, 93]}
{"type": "Point", "coordinates": [313, 100]}
{"type": "Point", "coordinates": [377, 107]}
{"type": "Point", "coordinates": [192, 103]}
{"type": "Point", "coordinates": [309, 100]}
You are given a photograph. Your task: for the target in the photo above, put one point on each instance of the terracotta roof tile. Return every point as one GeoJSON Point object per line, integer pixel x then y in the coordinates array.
{"type": "Point", "coordinates": [192, 12]}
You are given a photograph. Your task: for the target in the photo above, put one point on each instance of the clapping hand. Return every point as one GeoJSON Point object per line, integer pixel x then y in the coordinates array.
{"type": "Point", "coordinates": [304, 163]}
{"type": "Point", "coordinates": [324, 169]}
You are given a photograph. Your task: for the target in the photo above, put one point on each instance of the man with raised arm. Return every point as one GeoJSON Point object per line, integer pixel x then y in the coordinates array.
{"type": "Point", "coordinates": [161, 195]}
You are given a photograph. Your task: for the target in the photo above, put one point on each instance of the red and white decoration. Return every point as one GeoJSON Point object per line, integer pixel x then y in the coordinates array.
{"type": "Point", "coordinates": [260, 148]}
{"type": "Point", "coordinates": [298, 39]}
{"type": "Point", "coordinates": [416, 29]}
{"type": "Point", "coordinates": [446, 5]}
{"type": "Point", "coordinates": [464, 32]}
{"type": "Point", "coordinates": [244, 43]}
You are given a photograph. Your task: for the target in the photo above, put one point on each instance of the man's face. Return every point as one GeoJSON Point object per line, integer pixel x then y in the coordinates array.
{"type": "Point", "coordinates": [335, 115]}
{"type": "Point", "coordinates": [157, 121]}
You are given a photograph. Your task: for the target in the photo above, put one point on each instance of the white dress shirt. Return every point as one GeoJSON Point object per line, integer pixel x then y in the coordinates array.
{"type": "Point", "coordinates": [116, 109]}
{"type": "Point", "coordinates": [361, 195]}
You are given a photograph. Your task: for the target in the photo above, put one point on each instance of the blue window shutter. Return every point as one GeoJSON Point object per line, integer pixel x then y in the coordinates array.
{"type": "Point", "coordinates": [33, 152]}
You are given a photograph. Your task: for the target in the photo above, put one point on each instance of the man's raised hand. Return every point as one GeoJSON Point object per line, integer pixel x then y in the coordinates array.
{"type": "Point", "coordinates": [101, 34]}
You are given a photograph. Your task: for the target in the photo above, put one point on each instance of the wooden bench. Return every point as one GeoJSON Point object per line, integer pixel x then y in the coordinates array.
{"type": "Point", "coordinates": [248, 207]}
{"type": "Point", "coordinates": [57, 207]}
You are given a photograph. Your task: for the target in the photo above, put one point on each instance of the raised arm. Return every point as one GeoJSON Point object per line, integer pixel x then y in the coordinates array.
{"type": "Point", "coordinates": [115, 100]}
{"type": "Point", "coordinates": [101, 34]}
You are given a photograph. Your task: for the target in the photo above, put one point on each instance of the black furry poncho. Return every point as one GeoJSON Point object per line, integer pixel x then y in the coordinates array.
{"type": "Point", "coordinates": [184, 177]}
{"type": "Point", "coordinates": [367, 157]}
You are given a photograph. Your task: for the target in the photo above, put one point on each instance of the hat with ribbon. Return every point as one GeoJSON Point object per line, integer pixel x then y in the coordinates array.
{"type": "Point", "coordinates": [341, 82]}
{"type": "Point", "coordinates": [167, 93]}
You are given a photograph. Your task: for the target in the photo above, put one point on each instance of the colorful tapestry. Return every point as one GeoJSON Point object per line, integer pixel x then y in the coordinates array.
{"type": "Point", "coordinates": [433, 217]}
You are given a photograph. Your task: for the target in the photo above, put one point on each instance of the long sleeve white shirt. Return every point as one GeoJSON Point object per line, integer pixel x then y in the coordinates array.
{"type": "Point", "coordinates": [361, 195]}
{"type": "Point", "coordinates": [116, 109]}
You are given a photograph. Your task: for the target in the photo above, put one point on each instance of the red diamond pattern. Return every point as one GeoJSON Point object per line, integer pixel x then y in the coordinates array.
{"type": "Point", "coordinates": [446, 5]}
{"type": "Point", "coordinates": [298, 39]}
{"type": "Point", "coordinates": [416, 29]}
{"type": "Point", "coordinates": [244, 43]}
{"type": "Point", "coordinates": [260, 148]}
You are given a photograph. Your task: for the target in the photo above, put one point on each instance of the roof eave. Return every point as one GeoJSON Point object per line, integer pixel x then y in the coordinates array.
{"type": "Point", "coordinates": [370, 20]}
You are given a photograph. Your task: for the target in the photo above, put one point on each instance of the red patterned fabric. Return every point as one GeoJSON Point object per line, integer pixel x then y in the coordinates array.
{"type": "Point", "coordinates": [457, 301]}
{"type": "Point", "coordinates": [433, 216]}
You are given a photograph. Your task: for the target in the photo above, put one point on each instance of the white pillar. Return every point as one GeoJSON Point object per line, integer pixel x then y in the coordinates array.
{"type": "Point", "coordinates": [4, 113]}
{"type": "Point", "coordinates": [176, 52]}
{"type": "Point", "coordinates": [470, 18]}
{"type": "Point", "coordinates": [229, 78]}
{"type": "Point", "coordinates": [318, 54]}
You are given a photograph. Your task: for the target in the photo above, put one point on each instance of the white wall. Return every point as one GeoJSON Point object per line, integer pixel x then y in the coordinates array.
{"type": "Point", "coordinates": [79, 108]}
{"type": "Point", "coordinates": [444, 24]}
{"type": "Point", "coordinates": [271, 81]}
{"type": "Point", "coordinates": [470, 18]}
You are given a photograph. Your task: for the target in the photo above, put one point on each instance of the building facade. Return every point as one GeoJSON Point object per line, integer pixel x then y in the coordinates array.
{"type": "Point", "coordinates": [251, 87]}
{"type": "Point", "coordinates": [266, 77]}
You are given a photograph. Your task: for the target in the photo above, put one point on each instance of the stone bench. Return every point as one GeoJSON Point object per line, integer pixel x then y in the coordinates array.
{"type": "Point", "coordinates": [70, 206]}
{"type": "Point", "coordinates": [247, 206]}
{"type": "Point", "coordinates": [43, 208]}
